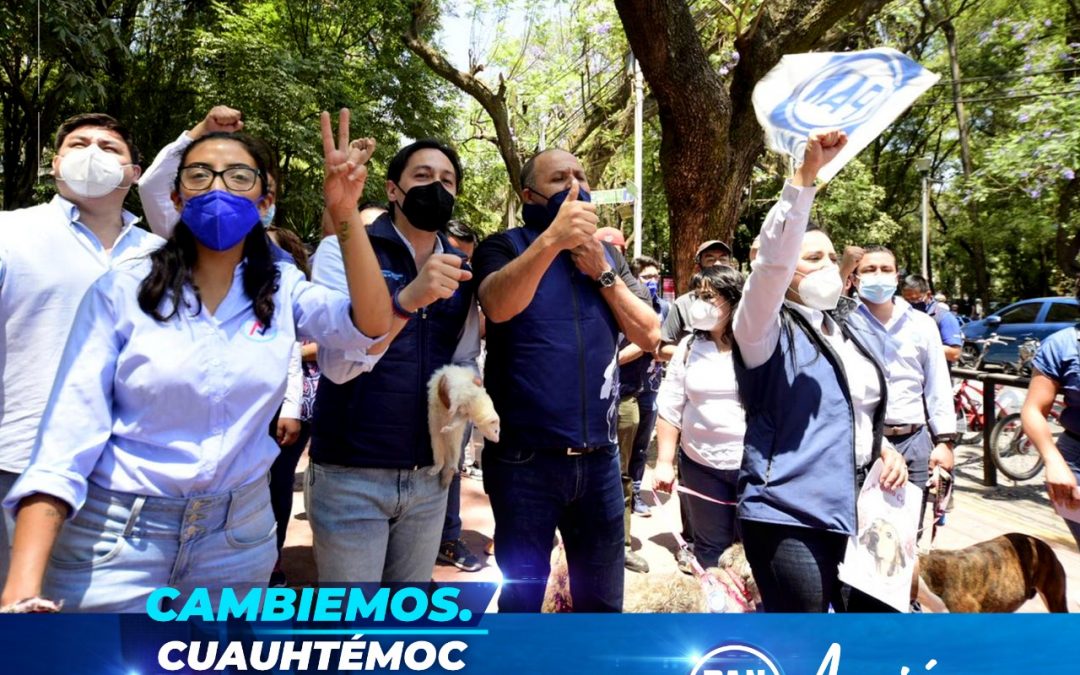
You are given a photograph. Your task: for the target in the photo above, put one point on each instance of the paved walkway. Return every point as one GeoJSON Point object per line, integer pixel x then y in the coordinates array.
{"type": "Point", "coordinates": [979, 513]}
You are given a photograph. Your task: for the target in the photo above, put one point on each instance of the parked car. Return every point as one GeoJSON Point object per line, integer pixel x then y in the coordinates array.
{"type": "Point", "coordinates": [1038, 318]}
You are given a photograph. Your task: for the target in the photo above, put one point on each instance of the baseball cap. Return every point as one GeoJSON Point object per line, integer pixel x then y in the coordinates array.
{"type": "Point", "coordinates": [712, 243]}
{"type": "Point", "coordinates": [611, 236]}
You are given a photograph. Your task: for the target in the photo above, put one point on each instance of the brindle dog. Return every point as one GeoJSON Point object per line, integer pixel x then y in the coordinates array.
{"type": "Point", "coordinates": [998, 575]}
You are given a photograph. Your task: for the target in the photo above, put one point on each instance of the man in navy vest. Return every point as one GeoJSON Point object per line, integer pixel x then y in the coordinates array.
{"type": "Point", "coordinates": [556, 301]}
{"type": "Point", "coordinates": [376, 512]}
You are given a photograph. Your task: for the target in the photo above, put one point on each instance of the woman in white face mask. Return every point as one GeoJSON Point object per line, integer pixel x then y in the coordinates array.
{"type": "Point", "coordinates": [700, 414]}
{"type": "Point", "coordinates": [815, 400]}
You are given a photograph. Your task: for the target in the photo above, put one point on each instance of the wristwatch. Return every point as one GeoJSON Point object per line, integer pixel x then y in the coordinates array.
{"type": "Point", "coordinates": [606, 279]}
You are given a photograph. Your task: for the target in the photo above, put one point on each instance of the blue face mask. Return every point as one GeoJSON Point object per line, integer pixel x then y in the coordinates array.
{"type": "Point", "coordinates": [654, 287]}
{"type": "Point", "coordinates": [878, 288]}
{"type": "Point", "coordinates": [267, 218]}
{"type": "Point", "coordinates": [539, 216]}
{"type": "Point", "coordinates": [219, 219]}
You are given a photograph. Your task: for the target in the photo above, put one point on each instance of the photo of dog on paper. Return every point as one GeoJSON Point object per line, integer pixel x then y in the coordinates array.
{"type": "Point", "coordinates": [880, 559]}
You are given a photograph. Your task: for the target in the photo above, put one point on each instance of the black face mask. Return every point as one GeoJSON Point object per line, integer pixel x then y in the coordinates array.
{"type": "Point", "coordinates": [428, 207]}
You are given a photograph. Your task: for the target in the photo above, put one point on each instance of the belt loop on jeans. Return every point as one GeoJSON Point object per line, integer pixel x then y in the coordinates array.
{"type": "Point", "coordinates": [136, 509]}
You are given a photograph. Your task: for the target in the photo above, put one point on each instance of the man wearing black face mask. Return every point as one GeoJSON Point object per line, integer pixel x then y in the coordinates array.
{"type": "Point", "coordinates": [556, 301]}
{"type": "Point", "coordinates": [916, 290]}
{"type": "Point", "coordinates": [376, 512]}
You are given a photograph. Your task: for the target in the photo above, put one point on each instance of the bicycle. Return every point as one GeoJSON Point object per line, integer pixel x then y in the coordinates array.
{"type": "Point", "coordinates": [967, 398]}
{"type": "Point", "coordinates": [1012, 451]}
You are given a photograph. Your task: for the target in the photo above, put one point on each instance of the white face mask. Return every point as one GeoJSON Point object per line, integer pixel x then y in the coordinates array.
{"type": "Point", "coordinates": [91, 172]}
{"type": "Point", "coordinates": [821, 288]}
{"type": "Point", "coordinates": [703, 315]}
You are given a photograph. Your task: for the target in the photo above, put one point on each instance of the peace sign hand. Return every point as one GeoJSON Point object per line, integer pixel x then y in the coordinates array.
{"type": "Point", "coordinates": [346, 165]}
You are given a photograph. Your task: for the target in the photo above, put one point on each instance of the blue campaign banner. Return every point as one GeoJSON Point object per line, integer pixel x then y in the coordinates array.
{"type": "Point", "coordinates": [860, 92]}
{"type": "Point", "coordinates": [756, 644]}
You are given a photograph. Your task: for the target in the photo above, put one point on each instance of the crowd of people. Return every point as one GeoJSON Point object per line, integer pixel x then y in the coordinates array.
{"type": "Point", "coordinates": [159, 387]}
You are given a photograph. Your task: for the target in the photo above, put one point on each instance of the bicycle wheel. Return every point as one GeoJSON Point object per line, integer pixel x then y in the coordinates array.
{"type": "Point", "coordinates": [968, 429]}
{"type": "Point", "coordinates": [1013, 452]}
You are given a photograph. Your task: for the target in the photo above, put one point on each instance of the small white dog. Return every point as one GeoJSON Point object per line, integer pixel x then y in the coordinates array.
{"type": "Point", "coordinates": [456, 396]}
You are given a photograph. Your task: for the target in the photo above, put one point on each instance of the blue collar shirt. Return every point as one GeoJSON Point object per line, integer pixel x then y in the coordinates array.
{"type": "Point", "coordinates": [915, 369]}
{"type": "Point", "coordinates": [48, 259]}
{"type": "Point", "coordinates": [179, 408]}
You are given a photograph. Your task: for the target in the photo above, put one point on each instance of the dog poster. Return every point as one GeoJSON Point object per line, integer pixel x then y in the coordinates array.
{"type": "Point", "coordinates": [880, 559]}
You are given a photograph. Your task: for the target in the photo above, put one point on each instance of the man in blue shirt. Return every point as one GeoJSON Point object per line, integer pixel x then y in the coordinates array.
{"type": "Point", "coordinates": [917, 293]}
{"type": "Point", "coordinates": [50, 254]}
{"type": "Point", "coordinates": [919, 417]}
{"type": "Point", "coordinates": [556, 300]}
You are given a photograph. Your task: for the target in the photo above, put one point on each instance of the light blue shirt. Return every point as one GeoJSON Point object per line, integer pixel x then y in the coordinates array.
{"type": "Point", "coordinates": [915, 369]}
{"type": "Point", "coordinates": [47, 261]}
{"type": "Point", "coordinates": [340, 366]}
{"type": "Point", "coordinates": [180, 408]}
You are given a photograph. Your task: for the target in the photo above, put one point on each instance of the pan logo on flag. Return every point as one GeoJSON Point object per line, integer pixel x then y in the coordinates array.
{"type": "Point", "coordinates": [843, 94]}
{"type": "Point", "coordinates": [736, 659]}
{"type": "Point", "coordinates": [859, 92]}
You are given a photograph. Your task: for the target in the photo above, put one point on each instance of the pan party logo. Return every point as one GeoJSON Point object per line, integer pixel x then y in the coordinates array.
{"type": "Point", "coordinates": [736, 659]}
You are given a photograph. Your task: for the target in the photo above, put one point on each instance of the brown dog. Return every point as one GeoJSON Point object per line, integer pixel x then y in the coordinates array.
{"type": "Point", "coordinates": [998, 575]}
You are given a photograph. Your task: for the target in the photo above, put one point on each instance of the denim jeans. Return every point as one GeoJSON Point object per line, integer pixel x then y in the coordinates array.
{"type": "Point", "coordinates": [7, 525]}
{"type": "Point", "coordinates": [646, 402]}
{"type": "Point", "coordinates": [1070, 450]}
{"type": "Point", "coordinates": [119, 547]}
{"type": "Point", "coordinates": [282, 477]}
{"type": "Point", "coordinates": [374, 525]}
{"type": "Point", "coordinates": [796, 569]}
{"type": "Point", "coordinates": [714, 524]}
{"type": "Point", "coordinates": [534, 492]}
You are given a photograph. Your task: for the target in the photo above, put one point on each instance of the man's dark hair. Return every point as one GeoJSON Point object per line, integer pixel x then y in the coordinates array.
{"type": "Point", "coordinates": [812, 226]}
{"type": "Point", "coordinates": [461, 231]}
{"type": "Point", "coordinates": [641, 263]}
{"type": "Point", "coordinates": [917, 283]}
{"type": "Point", "coordinates": [396, 167]}
{"type": "Point", "coordinates": [876, 248]}
{"type": "Point", "coordinates": [96, 120]}
{"type": "Point", "coordinates": [529, 168]}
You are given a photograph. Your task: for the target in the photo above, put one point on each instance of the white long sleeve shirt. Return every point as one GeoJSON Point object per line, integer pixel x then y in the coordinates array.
{"type": "Point", "coordinates": [757, 318]}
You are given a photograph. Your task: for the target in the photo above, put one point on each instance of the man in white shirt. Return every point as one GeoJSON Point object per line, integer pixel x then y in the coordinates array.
{"type": "Point", "coordinates": [919, 417]}
{"type": "Point", "coordinates": [50, 254]}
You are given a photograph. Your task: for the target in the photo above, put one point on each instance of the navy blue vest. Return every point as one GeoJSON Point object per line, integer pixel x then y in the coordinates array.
{"type": "Point", "coordinates": [552, 370]}
{"type": "Point", "coordinates": [799, 458]}
{"type": "Point", "coordinates": [379, 419]}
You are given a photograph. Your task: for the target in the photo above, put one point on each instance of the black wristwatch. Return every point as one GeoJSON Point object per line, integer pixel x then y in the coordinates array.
{"type": "Point", "coordinates": [606, 279]}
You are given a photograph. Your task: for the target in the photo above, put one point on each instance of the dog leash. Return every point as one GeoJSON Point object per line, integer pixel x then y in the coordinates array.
{"type": "Point", "coordinates": [710, 585]}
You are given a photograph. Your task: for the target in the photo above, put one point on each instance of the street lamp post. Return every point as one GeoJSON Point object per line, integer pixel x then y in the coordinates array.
{"type": "Point", "coordinates": [924, 164]}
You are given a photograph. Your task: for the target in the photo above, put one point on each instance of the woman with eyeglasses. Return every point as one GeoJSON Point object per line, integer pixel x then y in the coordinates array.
{"type": "Point", "coordinates": [815, 396]}
{"type": "Point", "coordinates": [700, 415]}
{"type": "Point", "coordinates": [150, 467]}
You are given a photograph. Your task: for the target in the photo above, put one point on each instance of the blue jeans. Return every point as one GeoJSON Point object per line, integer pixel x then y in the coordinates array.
{"type": "Point", "coordinates": [714, 524]}
{"type": "Point", "coordinates": [7, 526]}
{"type": "Point", "coordinates": [646, 401]}
{"type": "Point", "coordinates": [374, 525]}
{"type": "Point", "coordinates": [796, 569]}
{"type": "Point", "coordinates": [533, 493]}
{"type": "Point", "coordinates": [1070, 450]}
{"type": "Point", "coordinates": [119, 547]}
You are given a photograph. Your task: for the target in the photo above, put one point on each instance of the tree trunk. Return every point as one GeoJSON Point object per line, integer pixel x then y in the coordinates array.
{"type": "Point", "coordinates": [710, 137]}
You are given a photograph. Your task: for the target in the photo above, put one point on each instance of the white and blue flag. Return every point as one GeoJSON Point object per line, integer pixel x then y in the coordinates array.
{"type": "Point", "coordinates": [859, 92]}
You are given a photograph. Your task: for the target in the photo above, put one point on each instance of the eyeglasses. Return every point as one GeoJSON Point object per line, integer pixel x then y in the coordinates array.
{"type": "Point", "coordinates": [236, 178]}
